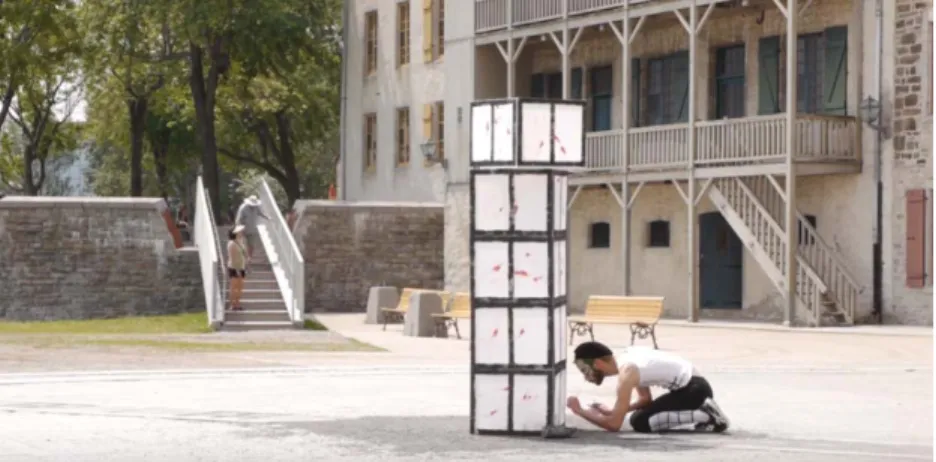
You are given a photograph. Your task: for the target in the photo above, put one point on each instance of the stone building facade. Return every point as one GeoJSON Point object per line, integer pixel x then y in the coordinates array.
{"type": "Point", "coordinates": [842, 205]}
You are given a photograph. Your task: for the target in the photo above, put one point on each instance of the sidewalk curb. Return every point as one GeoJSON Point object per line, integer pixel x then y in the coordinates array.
{"type": "Point", "coordinates": [886, 331]}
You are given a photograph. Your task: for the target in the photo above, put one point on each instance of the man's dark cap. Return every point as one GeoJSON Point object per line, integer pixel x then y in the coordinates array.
{"type": "Point", "coordinates": [592, 350]}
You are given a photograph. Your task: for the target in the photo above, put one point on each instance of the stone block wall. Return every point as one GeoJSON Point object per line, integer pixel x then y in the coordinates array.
{"type": "Point", "coordinates": [84, 258]}
{"type": "Point", "coordinates": [349, 247]}
{"type": "Point", "coordinates": [908, 157]}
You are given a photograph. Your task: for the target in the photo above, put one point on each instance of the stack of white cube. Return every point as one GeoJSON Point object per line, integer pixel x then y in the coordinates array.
{"type": "Point", "coordinates": [521, 151]}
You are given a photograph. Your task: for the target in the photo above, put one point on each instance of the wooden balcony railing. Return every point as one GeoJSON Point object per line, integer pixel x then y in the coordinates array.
{"type": "Point", "coordinates": [493, 14]}
{"type": "Point", "coordinates": [728, 142]}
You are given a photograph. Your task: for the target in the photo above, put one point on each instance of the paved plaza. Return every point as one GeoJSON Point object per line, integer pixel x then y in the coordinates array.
{"type": "Point", "coordinates": [791, 396]}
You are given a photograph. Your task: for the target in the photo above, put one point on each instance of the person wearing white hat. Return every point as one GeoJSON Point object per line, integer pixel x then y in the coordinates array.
{"type": "Point", "coordinates": [247, 215]}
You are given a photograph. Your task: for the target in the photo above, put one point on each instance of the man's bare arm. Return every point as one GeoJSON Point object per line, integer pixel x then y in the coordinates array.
{"type": "Point", "coordinates": [643, 398]}
{"type": "Point", "coordinates": [612, 421]}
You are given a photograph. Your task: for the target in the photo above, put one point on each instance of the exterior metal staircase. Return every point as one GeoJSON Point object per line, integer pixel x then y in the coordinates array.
{"type": "Point", "coordinates": [754, 207]}
{"type": "Point", "coordinates": [274, 290]}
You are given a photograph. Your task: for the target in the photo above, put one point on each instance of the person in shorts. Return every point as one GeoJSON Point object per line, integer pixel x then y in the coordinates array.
{"type": "Point", "coordinates": [236, 265]}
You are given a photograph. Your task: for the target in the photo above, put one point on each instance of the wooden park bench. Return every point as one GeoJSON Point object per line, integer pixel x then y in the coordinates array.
{"type": "Point", "coordinates": [399, 312]}
{"type": "Point", "coordinates": [640, 313]}
{"type": "Point", "coordinates": [458, 308]}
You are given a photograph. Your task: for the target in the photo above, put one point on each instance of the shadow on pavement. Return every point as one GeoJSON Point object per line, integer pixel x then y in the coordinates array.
{"type": "Point", "coordinates": [416, 435]}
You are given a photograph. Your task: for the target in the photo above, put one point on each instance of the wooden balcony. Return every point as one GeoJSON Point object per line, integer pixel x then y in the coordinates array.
{"type": "Point", "coordinates": [491, 15]}
{"type": "Point", "coordinates": [745, 142]}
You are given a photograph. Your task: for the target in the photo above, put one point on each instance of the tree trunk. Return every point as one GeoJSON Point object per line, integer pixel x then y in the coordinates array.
{"type": "Point", "coordinates": [160, 153]}
{"type": "Point", "coordinates": [288, 159]}
{"type": "Point", "coordinates": [29, 187]}
{"type": "Point", "coordinates": [138, 109]}
{"type": "Point", "coordinates": [203, 93]}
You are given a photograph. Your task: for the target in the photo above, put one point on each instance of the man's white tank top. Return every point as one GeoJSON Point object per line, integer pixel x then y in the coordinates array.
{"type": "Point", "coordinates": [658, 368]}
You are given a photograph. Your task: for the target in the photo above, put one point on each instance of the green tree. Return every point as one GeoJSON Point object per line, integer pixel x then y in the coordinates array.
{"type": "Point", "coordinates": [241, 37]}
{"type": "Point", "coordinates": [284, 121]}
{"type": "Point", "coordinates": [130, 51]}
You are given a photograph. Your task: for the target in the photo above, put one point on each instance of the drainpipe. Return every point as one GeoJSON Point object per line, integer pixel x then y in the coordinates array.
{"type": "Point", "coordinates": [878, 257]}
{"type": "Point", "coordinates": [342, 162]}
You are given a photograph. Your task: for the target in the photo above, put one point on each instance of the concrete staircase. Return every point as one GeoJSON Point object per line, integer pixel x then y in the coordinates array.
{"type": "Point", "coordinates": [754, 207]}
{"type": "Point", "coordinates": [262, 300]}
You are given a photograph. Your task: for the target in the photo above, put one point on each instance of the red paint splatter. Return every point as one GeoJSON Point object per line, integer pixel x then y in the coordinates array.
{"type": "Point", "coordinates": [494, 332]}
{"type": "Point", "coordinates": [496, 268]}
{"type": "Point", "coordinates": [528, 254]}
{"type": "Point", "coordinates": [527, 396]}
{"type": "Point", "coordinates": [522, 331]}
{"type": "Point", "coordinates": [537, 279]}
{"type": "Point", "coordinates": [493, 412]}
{"type": "Point", "coordinates": [507, 388]}
{"type": "Point", "coordinates": [521, 273]}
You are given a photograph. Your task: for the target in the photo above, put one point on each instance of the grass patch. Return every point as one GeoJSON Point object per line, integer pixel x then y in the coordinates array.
{"type": "Point", "coordinates": [311, 324]}
{"type": "Point", "coordinates": [187, 323]}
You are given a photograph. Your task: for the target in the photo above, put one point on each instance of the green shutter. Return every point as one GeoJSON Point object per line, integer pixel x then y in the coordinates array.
{"type": "Point", "coordinates": [768, 58]}
{"type": "Point", "coordinates": [635, 92]}
{"type": "Point", "coordinates": [679, 81]}
{"type": "Point", "coordinates": [576, 90]}
{"type": "Point", "coordinates": [835, 70]}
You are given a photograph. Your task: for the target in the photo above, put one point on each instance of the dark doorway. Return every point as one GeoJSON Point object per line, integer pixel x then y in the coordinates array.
{"type": "Point", "coordinates": [720, 263]}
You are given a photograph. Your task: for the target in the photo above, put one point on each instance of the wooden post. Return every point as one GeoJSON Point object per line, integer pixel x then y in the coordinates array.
{"type": "Point", "coordinates": [790, 212]}
{"type": "Point", "coordinates": [693, 218]}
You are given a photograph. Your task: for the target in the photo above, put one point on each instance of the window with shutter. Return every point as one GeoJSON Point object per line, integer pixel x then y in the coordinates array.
{"type": "Point", "coordinates": [403, 33]}
{"type": "Point", "coordinates": [403, 136]}
{"type": "Point", "coordinates": [370, 52]}
{"type": "Point", "coordinates": [768, 79]}
{"type": "Point", "coordinates": [668, 89]}
{"type": "Point", "coordinates": [439, 112]}
{"type": "Point", "coordinates": [370, 141]}
{"type": "Point", "coordinates": [635, 92]}
{"type": "Point", "coordinates": [428, 31]}
{"type": "Point", "coordinates": [601, 89]}
{"type": "Point", "coordinates": [835, 71]}
{"type": "Point", "coordinates": [576, 91]}
{"type": "Point", "coordinates": [729, 82]}
{"type": "Point", "coordinates": [916, 237]}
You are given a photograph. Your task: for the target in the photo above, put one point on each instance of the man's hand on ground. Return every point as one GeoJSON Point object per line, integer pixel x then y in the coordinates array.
{"type": "Point", "coordinates": [574, 405]}
{"type": "Point", "coordinates": [601, 408]}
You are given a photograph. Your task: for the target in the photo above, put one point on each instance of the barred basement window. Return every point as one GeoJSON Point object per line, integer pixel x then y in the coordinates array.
{"type": "Point", "coordinates": [659, 234]}
{"type": "Point", "coordinates": [599, 236]}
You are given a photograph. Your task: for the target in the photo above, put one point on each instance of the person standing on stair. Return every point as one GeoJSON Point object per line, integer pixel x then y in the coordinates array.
{"type": "Point", "coordinates": [237, 265]}
{"type": "Point", "coordinates": [247, 216]}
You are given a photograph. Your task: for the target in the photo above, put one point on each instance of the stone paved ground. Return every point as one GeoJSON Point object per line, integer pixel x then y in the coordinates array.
{"type": "Point", "coordinates": [791, 396]}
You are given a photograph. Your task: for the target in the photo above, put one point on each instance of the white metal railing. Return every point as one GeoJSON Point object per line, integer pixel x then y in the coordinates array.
{"type": "Point", "coordinates": [287, 252]}
{"type": "Point", "coordinates": [746, 140]}
{"type": "Point", "coordinates": [812, 287]}
{"type": "Point", "coordinates": [494, 14]}
{"type": "Point", "coordinates": [659, 146]}
{"type": "Point", "coordinates": [604, 150]}
{"type": "Point", "coordinates": [821, 257]}
{"type": "Point", "coordinates": [206, 240]}
{"type": "Point", "coordinates": [527, 11]}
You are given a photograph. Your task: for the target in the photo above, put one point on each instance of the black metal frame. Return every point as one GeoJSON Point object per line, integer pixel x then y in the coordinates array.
{"type": "Point", "coordinates": [550, 303]}
{"type": "Point", "coordinates": [517, 145]}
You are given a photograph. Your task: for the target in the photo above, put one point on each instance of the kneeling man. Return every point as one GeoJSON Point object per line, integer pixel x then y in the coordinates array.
{"type": "Point", "coordinates": [689, 401]}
